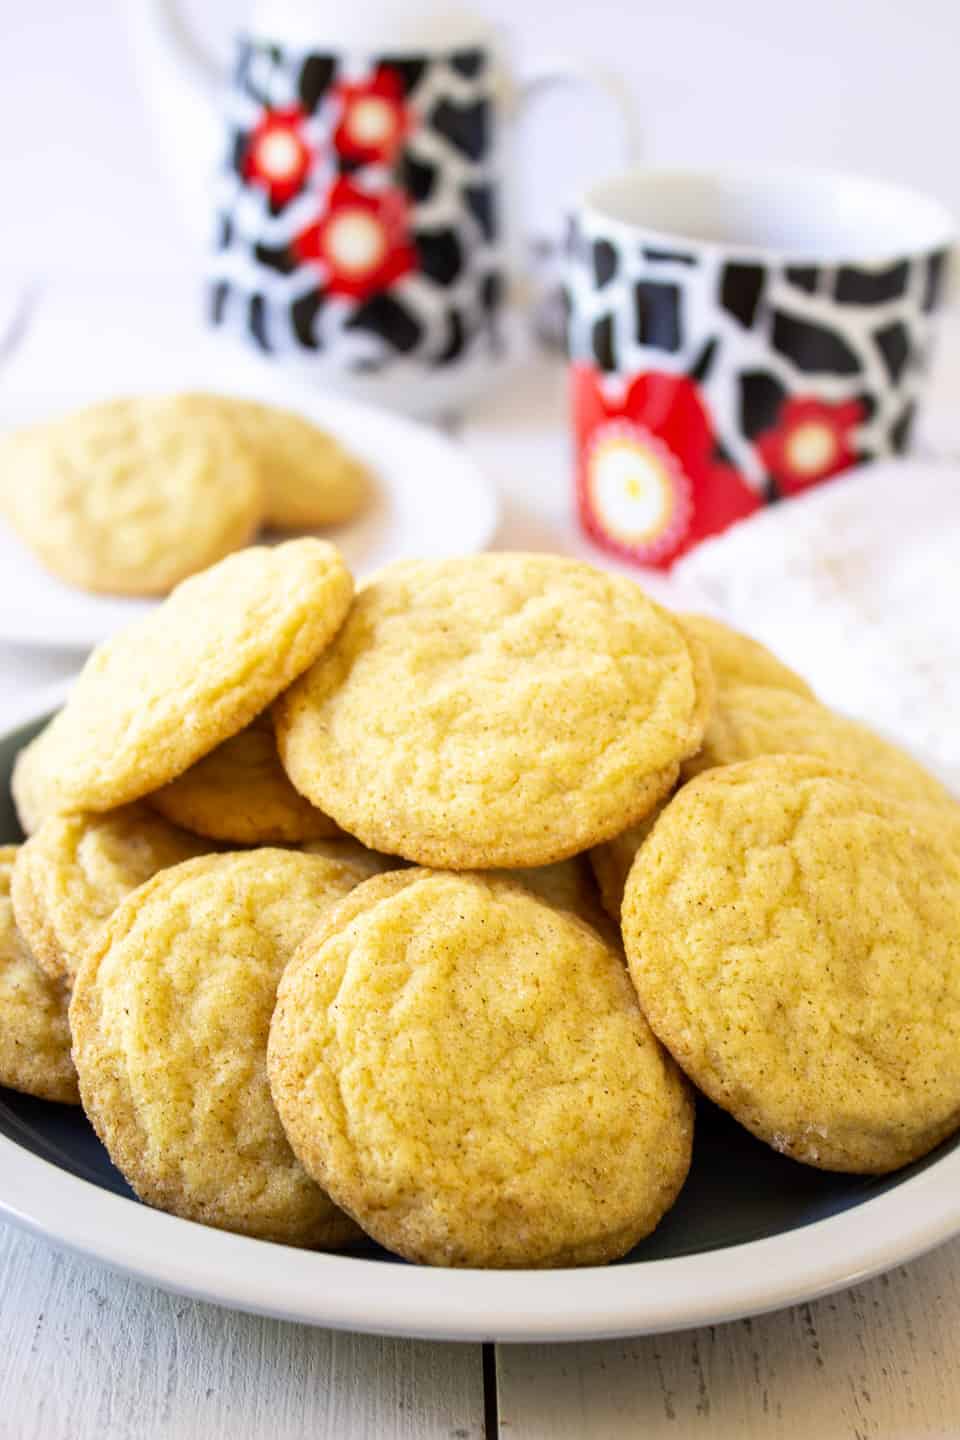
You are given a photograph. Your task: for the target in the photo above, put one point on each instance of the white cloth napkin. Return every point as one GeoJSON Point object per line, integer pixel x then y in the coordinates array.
{"type": "Point", "coordinates": [857, 585]}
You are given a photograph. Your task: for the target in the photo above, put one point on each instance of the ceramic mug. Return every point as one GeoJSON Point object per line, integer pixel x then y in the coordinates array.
{"type": "Point", "coordinates": [360, 206]}
{"type": "Point", "coordinates": [738, 339]}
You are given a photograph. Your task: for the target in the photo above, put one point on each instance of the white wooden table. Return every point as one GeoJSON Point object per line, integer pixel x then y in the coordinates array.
{"type": "Point", "coordinates": [85, 1353]}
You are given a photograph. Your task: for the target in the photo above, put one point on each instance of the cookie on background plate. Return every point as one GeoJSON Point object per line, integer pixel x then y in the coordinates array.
{"type": "Point", "coordinates": [738, 659]}
{"type": "Point", "coordinates": [307, 477]}
{"type": "Point", "coordinates": [34, 1034]}
{"type": "Point", "coordinates": [498, 710]}
{"type": "Point", "coordinates": [752, 720]}
{"type": "Point", "coordinates": [794, 938]}
{"type": "Point", "coordinates": [130, 496]}
{"type": "Point", "coordinates": [74, 870]}
{"type": "Point", "coordinates": [467, 1071]}
{"type": "Point", "coordinates": [170, 1014]}
{"type": "Point", "coordinates": [240, 793]}
{"type": "Point", "coordinates": [171, 687]}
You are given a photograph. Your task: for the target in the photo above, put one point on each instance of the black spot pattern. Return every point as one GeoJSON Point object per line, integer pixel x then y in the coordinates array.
{"type": "Point", "coordinates": [901, 430]}
{"type": "Point", "coordinates": [479, 200]}
{"type": "Point", "coordinates": [602, 340]}
{"type": "Point", "coordinates": [604, 262]}
{"type": "Point", "coordinates": [657, 312]}
{"type": "Point", "coordinates": [804, 277]}
{"type": "Point", "coordinates": [258, 323]}
{"type": "Point", "coordinates": [316, 77]}
{"type": "Point", "coordinates": [455, 342]}
{"type": "Point", "coordinates": [934, 281]}
{"type": "Point", "coordinates": [219, 294]}
{"type": "Point", "coordinates": [388, 318]}
{"type": "Point", "coordinates": [465, 126]}
{"type": "Point", "coordinates": [491, 292]}
{"type": "Point", "coordinates": [440, 254]}
{"type": "Point", "coordinates": [224, 236]}
{"type": "Point", "coordinates": [701, 367]}
{"type": "Point", "coordinates": [303, 316]}
{"type": "Point", "coordinates": [813, 348]}
{"type": "Point", "coordinates": [416, 177]}
{"type": "Point", "coordinates": [469, 63]}
{"type": "Point", "coordinates": [761, 400]}
{"type": "Point", "coordinates": [673, 257]}
{"type": "Point", "coordinates": [868, 405]}
{"type": "Point", "coordinates": [238, 151]}
{"type": "Point", "coordinates": [871, 287]}
{"type": "Point", "coordinates": [893, 343]}
{"type": "Point", "coordinates": [741, 288]}
{"type": "Point", "coordinates": [276, 257]}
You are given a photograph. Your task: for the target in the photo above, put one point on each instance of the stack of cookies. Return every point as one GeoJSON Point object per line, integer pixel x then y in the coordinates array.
{"type": "Point", "coordinates": [130, 496]}
{"type": "Point", "coordinates": [306, 917]}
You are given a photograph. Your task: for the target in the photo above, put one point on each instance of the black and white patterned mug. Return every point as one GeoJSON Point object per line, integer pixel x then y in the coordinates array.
{"type": "Point", "coordinates": [362, 225]}
{"type": "Point", "coordinates": [736, 340]}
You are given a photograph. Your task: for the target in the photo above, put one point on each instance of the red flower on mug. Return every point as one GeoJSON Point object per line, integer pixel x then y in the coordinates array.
{"type": "Point", "coordinates": [278, 156]}
{"type": "Point", "coordinates": [373, 118]}
{"type": "Point", "coordinates": [811, 441]}
{"type": "Point", "coordinates": [362, 240]}
{"type": "Point", "coordinates": [648, 484]}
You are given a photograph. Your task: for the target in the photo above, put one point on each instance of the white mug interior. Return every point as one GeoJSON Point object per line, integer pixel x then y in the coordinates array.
{"type": "Point", "coordinates": [792, 217]}
{"type": "Point", "coordinates": [368, 25]}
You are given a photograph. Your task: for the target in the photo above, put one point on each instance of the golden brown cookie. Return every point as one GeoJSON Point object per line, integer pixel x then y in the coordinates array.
{"type": "Point", "coordinates": [240, 793]}
{"type": "Point", "coordinates": [73, 872]}
{"type": "Point", "coordinates": [170, 1014]}
{"type": "Point", "coordinates": [468, 1073]}
{"type": "Point", "coordinates": [132, 495]}
{"type": "Point", "coordinates": [738, 659]}
{"type": "Point", "coordinates": [173, 686]}
{"type": "Point", "coordinates": [34, 1034]}
{"type": "Point", "coordinates": [752, 720]}
{"type": "Point", "coordinates": [794, 937]}
{"type": "Point", "coordinates": [307, 476]}
{"type": "Point", "coordinates": [29, 789]}
{"type": "Point", "coordinates": [495, 711]}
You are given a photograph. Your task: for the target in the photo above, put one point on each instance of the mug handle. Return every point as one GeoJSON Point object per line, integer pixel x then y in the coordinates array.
{"type": "Point", "coordinates": [608, 85]}
{"type": "Point", "coordinates": [603, 84]}
{"type": "Point", "coordinates": [163, 29]}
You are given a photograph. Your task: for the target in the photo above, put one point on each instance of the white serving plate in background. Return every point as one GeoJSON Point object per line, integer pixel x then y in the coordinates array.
{"type": "Point", "coordinates": [432, 499]}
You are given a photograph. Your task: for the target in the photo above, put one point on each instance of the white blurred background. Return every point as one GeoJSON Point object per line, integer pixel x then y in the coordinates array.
{"type": "Point", "coordinates": [865, 85]}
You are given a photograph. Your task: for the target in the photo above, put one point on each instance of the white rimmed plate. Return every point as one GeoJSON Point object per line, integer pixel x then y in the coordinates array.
{"type": "Point", "coordinates": [752, 1231]}
{"type": "Point", "coordinates": [432, 500]}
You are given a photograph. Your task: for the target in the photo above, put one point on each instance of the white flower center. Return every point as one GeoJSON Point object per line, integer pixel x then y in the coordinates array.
{"type": "Point", "coordinates": [356, 241]}
{"type": "Point", "coordinates": [279, 154]}
{"type": "Point", "coordinates": [811, 447]}
{"type": "Point", "coordinates": [370, 120]}
{"type": "Point", "coordinates": [632, 489]}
